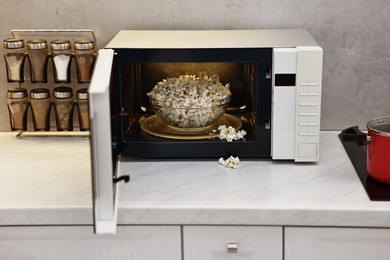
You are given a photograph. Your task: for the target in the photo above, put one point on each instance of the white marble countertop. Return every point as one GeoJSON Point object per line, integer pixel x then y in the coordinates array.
{"type": "Point", "coordinates": [44, 181]}
{"type": "Point", "coordinates": [48, 183]}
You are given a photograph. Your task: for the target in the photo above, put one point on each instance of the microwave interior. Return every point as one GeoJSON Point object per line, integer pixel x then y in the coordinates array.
{"type": "Point", "coordinates": [135, 72]}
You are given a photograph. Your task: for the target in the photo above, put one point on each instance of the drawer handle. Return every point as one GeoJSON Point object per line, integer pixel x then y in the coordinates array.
{"type": "Point", "coordinates": [232, 248]}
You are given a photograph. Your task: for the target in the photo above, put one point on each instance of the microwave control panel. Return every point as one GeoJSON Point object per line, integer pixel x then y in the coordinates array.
{"type": "Point", "coordinates": [296, 103]}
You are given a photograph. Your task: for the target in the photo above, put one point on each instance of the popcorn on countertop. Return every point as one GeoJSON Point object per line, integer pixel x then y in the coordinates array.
{"type": "Point", "coordinates": [230, 133]}
{"type": "Point", "coordinates": [231, 162]}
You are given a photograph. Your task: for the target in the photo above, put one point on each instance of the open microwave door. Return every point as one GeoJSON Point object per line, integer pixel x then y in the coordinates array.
{"type": "Point", "coordinates": [103, 166]}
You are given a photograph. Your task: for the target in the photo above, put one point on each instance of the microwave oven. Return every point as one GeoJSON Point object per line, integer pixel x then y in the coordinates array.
{"type": "Point", "coordinates": [275, 82]}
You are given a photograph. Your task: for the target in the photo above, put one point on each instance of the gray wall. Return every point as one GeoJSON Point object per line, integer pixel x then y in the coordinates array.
{"type": "Point", "coordinates": [355, 36]}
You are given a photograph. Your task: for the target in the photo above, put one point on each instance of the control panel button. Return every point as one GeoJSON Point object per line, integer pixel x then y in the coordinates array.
{"type": "Point", "coordinates": [303, 114]}
{"type": "Point", "coordinates": [314, 84]}
{"type": "Point", "coordinates": [313, 94]}
{"type": "Point", "coordinates": [304, 94]}
{"type": "Point", "coordinates": [304, 84]}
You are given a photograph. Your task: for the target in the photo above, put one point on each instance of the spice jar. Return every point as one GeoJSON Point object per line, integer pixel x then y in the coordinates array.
{"type": "Point", "coordinates": [82, 108]}
{"type": "Point", "coordinates": [61, 55]}
{"type": "Point", "coordinates": [14, 55]}
{"type": "Point", "coordinates": [85, 59]}
{"type": "Point", "coordinates": [40, 107]}
{"type": "Point", "coordinates": [38, 56]}
{"type": "Point", "coordinates": [17, 102]}
{"type": "Point", "coordinates": [63, 106]}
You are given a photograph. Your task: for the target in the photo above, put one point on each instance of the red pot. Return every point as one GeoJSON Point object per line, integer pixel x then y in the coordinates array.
{"type": "Point", "coordinates": [378, 149]}
{"type": "Point", "coordinates": [378, 146]}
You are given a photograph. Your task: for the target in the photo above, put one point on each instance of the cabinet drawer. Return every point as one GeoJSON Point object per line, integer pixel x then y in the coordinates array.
{"type": "Point", "coordinates": [337, 243]}
{"type": "Point", "coordinates": [232, 242]}
{"type": "Point", "coordinates": [79, 243]}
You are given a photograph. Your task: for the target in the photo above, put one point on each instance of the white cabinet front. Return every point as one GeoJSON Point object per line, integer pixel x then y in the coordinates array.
{"type": "Point", "coordinates": [336, 243]}
{"type": "Point", "coordinates": [79, 243]}
{"type": "Point", "coordinates": [232, 242]}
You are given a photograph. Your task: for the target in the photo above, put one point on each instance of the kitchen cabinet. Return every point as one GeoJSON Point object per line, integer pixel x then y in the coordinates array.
{"type": "Point", "coordinates": [232, 242]}
{"type": "Point", "coordinates": [194, 243]}
{"type": "Point", "coordinates": [307, 243]}
{"type": "Point", "coordinates": [79, 243]}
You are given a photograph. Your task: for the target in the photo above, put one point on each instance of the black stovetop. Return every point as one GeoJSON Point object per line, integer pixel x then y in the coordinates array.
{"type": "Point", "coordinates": [376, 190]}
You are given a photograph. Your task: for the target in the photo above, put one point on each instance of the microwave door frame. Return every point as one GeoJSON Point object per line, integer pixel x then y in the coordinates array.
{"type": "Point", "coordinates": [105, 190]}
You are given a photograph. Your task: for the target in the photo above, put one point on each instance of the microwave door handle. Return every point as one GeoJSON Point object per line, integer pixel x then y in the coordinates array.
{"type": "Point", "coordinates": [125, 178]}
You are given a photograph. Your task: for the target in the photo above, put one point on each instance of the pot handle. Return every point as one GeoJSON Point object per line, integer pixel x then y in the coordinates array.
{"type": "Point", "coordinates": [353, 134]}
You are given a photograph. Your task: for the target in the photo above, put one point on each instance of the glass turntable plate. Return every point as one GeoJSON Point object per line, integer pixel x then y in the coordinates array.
{"type": "Point", "coordinates": [153, 125]}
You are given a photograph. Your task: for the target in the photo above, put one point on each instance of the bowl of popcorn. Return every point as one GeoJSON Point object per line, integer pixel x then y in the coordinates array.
{"type": "Point", "coordinates": [189, 102]}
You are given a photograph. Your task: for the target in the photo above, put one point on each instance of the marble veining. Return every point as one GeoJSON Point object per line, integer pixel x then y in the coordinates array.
{"type": "Point", "coordinates": [49, 183]}
{"type": "Point", "coordinates": [259, 192]}
{"type": "Point", "coordinates": [44, 181]}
